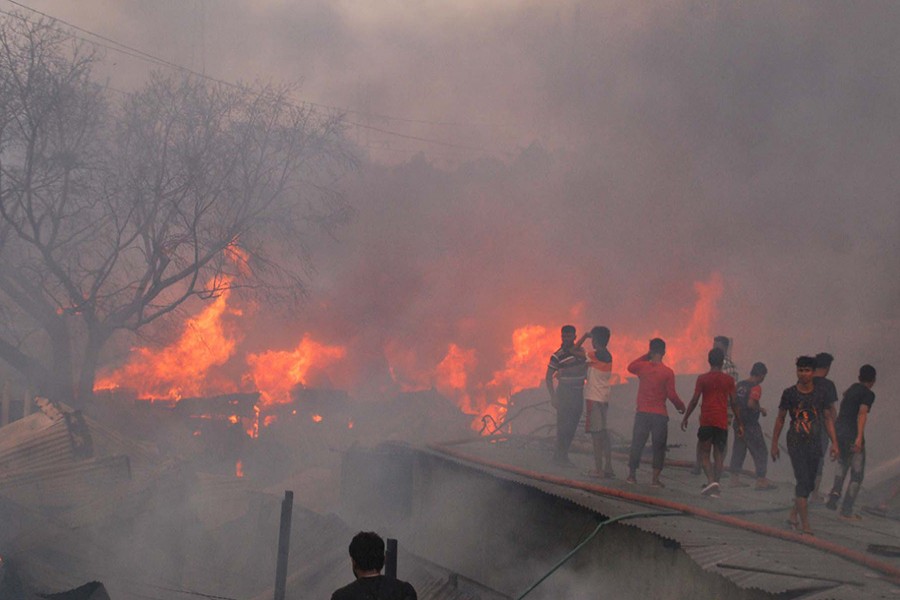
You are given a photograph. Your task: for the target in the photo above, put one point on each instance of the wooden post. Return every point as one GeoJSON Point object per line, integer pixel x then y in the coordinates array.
{"type": "Point", "coordinates": [390, 559]}
{"type": "Point", "coordinates": [4, 404]}
{"type": "Point", "coordinates": [284, 544]}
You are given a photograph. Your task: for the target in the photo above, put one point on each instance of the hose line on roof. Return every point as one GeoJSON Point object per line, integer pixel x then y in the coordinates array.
{"type": "Point", "coordinates": [573, 551]}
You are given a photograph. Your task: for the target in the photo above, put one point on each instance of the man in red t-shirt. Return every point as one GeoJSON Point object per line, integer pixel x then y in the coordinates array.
{"type": "Point", "coordinates": [717, 389]}
{"type": "Point", "coordinates": [656, 384]}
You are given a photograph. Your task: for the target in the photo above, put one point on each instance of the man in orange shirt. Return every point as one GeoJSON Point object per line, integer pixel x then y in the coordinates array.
{"type": "Point", "coordinates": [656, 384]}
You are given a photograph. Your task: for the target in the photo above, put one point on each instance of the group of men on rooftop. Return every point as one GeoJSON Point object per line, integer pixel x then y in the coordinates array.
{"type": "Point", "coordinates": [579, 380]}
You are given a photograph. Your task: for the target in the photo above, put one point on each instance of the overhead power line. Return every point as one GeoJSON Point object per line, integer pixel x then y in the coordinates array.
{"type": "Point", "coordinates": [116, 46]}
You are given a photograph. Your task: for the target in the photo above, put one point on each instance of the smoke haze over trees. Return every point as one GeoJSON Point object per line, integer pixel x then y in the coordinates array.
{"type": "Point", "coordinates": [116, 212]}
{"type": "Point", "coordinates": [623, 151]}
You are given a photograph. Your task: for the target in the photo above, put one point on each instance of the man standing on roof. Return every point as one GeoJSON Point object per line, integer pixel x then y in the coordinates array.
{"type": "Point", "coordinates": [820, 379]}
{"type": "Point", "coordinates": [367, 560]}
{"type": "Point", "coordinates": [805, 401]}
{"type": "Point", "coordinates": [747, 396]}
{"type": "Point", "coordinates": [851, 427]}
{"type": "Point", "coordinates": [656, 384]}
{"type": "Point", "coordinates": [569, 365]}
{"type": "Point", "coordinates": [596, 401]}
{"type": "Point", "coordinates": [717, 390]}
{"type": "Point", "coordinates": [723, 343]}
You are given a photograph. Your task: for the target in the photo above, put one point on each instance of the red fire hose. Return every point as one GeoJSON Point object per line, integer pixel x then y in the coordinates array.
{"type": "Point", "coordinates": [890, 572]}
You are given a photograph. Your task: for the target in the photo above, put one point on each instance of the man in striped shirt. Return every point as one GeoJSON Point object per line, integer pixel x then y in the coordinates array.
{"type": "Point", "coordinates": [569, 366]}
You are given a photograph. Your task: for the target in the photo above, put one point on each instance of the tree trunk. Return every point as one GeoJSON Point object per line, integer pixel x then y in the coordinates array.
{"type": "Point", "coordinates": [60, 386]}
{"type": "Point", "coordinates": [88, 371]}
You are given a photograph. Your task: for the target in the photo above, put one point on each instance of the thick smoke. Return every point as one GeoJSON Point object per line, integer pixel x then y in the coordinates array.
{"type": "Point", "coordinates": [625, 152]}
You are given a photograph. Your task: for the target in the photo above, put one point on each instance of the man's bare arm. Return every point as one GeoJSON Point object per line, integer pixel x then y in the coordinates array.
{"type": "Point", "coordinates": [860, 427]}
{"type": "Point", "coordinates": [776, 433]}
{"type": "Point", "coordinates": [690, 408]}
{"type": "Point", "coordinates": [832, 434]}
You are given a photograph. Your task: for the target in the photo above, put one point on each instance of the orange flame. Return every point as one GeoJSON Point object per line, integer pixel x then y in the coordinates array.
{"type": "Point", "coordinates": [239, 469]}
{"type": "Point", "coordinates": [181, 369]}
{"type": "Point", "coordinates": [275, 373]}
{"type": "Point", "coordinates": [532, 345]}
{"type": "Point", "coordinates": [317, 418]}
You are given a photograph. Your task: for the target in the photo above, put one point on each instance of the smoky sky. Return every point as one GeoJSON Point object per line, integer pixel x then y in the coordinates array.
{"type": "Point", "coordinates": [598, 159]}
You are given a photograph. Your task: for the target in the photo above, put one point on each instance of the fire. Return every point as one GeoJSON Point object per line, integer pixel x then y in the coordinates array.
{"type": "Point", "coordinates": [193, 363]}
{"type": "Point", "coordinates": [181, 369]}
{"type": "Point", "coordinates": [239, 469]}
{"type": "Point", "coordinates": [275, 373]}
{"type": "Point", "coordinates": [532, 344]}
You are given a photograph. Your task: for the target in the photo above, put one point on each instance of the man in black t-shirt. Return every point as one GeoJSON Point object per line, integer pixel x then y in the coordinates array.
{"type": "Point", "coordinates": [747, 396]}
{"type": "Point", "coordinates": [805, 402]}
{"type": "Point", "coordinates": [851, 426]}
{"type": "Point", "coordinates": [569, 366]}
{"type": "Point", "coordinates": [367, 559]}
{"type": "Point", "coordinates": [820, 379]}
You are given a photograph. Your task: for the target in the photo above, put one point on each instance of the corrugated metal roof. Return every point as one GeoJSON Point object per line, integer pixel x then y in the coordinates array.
{"type": "Point", "coordinates": [749, 559]}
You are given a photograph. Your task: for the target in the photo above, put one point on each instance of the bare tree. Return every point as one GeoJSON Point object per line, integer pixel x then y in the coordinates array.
{"type": "Point", "coordinates": [114, 213]}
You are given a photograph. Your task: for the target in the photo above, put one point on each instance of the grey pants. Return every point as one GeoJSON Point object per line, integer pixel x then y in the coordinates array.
{"type": "Point", "coordinates": [855, 463]}
{"type": "Point", "coordinates": [754, 442]}
{"type": "Point", "coordinates": [647, 425]}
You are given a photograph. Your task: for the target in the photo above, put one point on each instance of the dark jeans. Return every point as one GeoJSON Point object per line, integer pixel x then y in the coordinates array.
{"type": "Point", "coordinates": [805, 458]}
{"type": "Point", "coordinates": [855, 463]}
{"type": "Point", "coordinates": [753, 441]}
{"type": "Point", "coordinates": [647, 425]}
{"type": "Point", "coordinates": [568, 414]}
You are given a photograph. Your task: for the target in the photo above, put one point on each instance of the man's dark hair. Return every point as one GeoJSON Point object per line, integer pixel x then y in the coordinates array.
{"type": "Point", "coordinates": [824, 360]}
{"type": "Point", "coordinates": [657, 346]}
{"type": "Point", "coordinates": [567, 329]}
{"type": "Point", "coordinates": [866, 374]}
{"type": "Point", "coordinates": [759, 369]}
{"type": "Point", "coordinates": [806, 361]}
{"type": "Point", "coordinates": [601, 334]}
{"type": "Point", "coordinates": [716, 357]}
{"type": "Point", "coordinates": [724, 341]}
{"type": "Point", "coordinates": [367, 551]}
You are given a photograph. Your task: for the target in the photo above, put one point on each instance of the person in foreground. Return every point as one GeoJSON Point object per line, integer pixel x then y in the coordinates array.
{"type": "Point", "coordinates": [807, 404]}
{"type": "Point", "coordinates": [367, 559]}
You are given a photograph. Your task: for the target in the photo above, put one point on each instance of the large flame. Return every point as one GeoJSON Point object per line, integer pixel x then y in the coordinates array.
{"type": "Point", "coordinates": [275, 373]}
{"type": "Point", "coordinates": [531, 345]}
{"type": "Point", "coordinates": [182, 368]}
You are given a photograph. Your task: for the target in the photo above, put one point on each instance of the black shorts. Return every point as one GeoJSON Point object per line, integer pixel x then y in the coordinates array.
{"type": "Point", "coordinates": [716, 435]}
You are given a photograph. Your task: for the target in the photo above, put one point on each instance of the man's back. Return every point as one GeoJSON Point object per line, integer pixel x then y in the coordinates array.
{"type": "Point", "coordinates": [376, 588]}
{"type": "Point", "coordinates": [656, 383]}
{"type": "Point", "coordinates": [716, 388]}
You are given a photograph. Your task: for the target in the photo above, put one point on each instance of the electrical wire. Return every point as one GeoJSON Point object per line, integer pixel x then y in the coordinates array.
{"type": "Point", "coordinates": [146, 56]}
{"type": "Point", "coordinates": [583, 543]}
